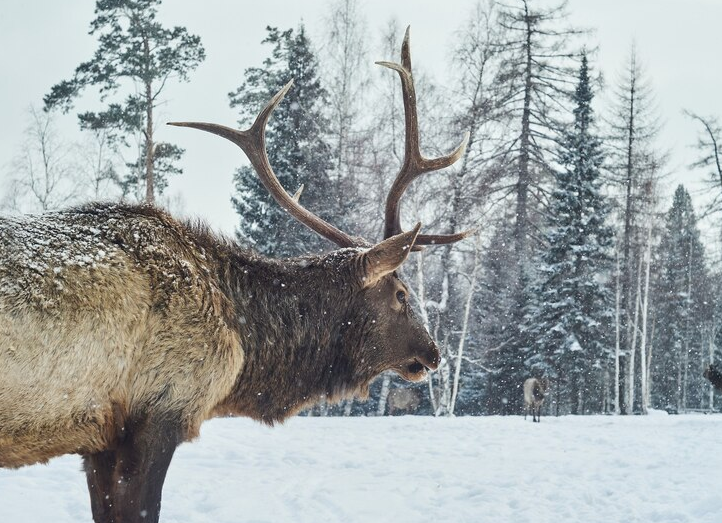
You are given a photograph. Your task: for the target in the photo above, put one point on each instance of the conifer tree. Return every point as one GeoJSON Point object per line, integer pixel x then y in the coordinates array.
{"type": "Point", "coordinates": [296, 144]}
{"type": "Point", "coordinates": [683, 306]}
{"type": "Point", "coordinates": [136, 57]}
{"type": "Point", "coordinates": [569, 316]}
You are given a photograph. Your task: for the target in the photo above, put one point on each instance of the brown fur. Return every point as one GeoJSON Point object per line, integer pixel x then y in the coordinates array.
{"type": "Point", "coordinates": [121, 327]}
{"type": "Point", "coordinates": [534, 392]}
{"type": "Point", "coordinates": [713, 374]}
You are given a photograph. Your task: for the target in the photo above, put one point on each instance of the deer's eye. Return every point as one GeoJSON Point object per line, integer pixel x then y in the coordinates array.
{"type": "Point", "coordinates": [401, 296]}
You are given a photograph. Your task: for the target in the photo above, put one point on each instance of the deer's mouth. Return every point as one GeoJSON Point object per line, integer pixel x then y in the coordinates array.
{"type": "Point", "coordinates": [415, 370]}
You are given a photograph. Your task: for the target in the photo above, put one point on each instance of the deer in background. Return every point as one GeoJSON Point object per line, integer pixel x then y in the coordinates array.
{"type": "Point", "coordinates": [404, 400]}
{"type": "Point", "coordinates": [122, 329]}
{"type": "Point", "coordinates": [713, 374]}
{"type": "Point", "coordinates": [534, 391]}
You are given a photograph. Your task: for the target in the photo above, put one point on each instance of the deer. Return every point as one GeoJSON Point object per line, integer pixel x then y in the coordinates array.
{"type": "Point", "coordinates": [714, 375]}
{"type": "Point", "coordinates": [123, 329]}
{"type": "Point", "coordinates": [404, 400]}
{"type": "Point", "coordinates": [534, 391]}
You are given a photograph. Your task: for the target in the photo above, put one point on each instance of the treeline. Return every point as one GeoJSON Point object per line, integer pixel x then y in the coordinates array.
{"type": "Point", "coordinates": [581, 271]}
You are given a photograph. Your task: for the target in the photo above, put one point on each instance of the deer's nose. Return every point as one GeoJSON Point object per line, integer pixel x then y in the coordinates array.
{"type": "Point", "coordinates": [434, 357]}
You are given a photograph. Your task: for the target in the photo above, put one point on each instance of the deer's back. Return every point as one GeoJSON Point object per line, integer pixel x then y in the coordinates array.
{"type": "Point", "coordinates": [533, 392]}
{"type": "Point", "coordinates": [105, 311]}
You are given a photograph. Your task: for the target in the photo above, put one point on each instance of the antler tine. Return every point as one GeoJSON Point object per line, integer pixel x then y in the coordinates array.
{"type": "Point", "coordinates": [414, 162]}
{"type": "Point", "coordinates": [253, 143]}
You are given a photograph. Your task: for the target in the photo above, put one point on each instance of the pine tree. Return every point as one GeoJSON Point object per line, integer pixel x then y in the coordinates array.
{"type": "Point", "coordinates": [296, 144]}
{"type": "Point", "coordinates": [136, 56]}
{"type": "Point", "coordinates": [683, 306]}
{"type": "Point", "coordinates": [568, 319]}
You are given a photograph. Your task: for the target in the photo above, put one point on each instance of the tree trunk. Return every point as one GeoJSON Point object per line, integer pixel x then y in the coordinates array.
{"type": "Point", "coordinates": [465, 326]}
{"type": "Point", "coordinates": [383, 395]}
{"type": "Point", "coordinates": [711, 361]}
{"type": "Point", "coordinates": [149, 145]}
{"type": "Point", "coordinates": [633, 348]}
{"type": "Point", "coordinates": [522, 186]}
{"type": "Point", "coordinates": [617, 383]}
{"type": "Point", "coordinates": [645, 308]}
{"type": "Point", "coordinates": [628, 215]}
{"type": "Point", "coordinates": [650, 351]}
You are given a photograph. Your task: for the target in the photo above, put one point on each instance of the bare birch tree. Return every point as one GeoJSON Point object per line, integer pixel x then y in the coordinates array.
{"type": "Point", "coordinates": [633, 168]}
{"type": "Point", "coordinates": [43, 174]}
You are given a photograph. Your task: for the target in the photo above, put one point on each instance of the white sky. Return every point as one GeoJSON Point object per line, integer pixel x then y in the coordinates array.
{"type": "Point", "coordinates": [42, 42]}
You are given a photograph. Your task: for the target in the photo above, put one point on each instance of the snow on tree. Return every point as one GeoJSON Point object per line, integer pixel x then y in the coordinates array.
{"type": "Point", "coordinates": [296, 144]}
{"type": "Point", "coordinates": [567, 322]}
{"type": "Point", "coordinates": [684, 302]}
{"type": "Point", "coordinates": [537, 76]}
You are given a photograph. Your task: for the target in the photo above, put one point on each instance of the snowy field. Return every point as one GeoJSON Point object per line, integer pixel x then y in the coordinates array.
{"type": "Point", "coordinates": [654, 469]}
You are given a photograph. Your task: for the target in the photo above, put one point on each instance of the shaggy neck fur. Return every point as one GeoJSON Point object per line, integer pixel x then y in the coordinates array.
{"type": "Point", "coordinates": [300, 329]}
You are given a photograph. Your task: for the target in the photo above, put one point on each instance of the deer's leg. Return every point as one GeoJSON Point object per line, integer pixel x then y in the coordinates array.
{"type": "Point", "coordinates": [99, 469]}
{"type": "Point", "coordinates": [142, 460]}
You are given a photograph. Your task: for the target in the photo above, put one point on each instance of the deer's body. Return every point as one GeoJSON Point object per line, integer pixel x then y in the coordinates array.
{"type": "Point", "coordinates": [100, 318]}
{"type": "Point", "coordinates": [534, 392]}
{"type": "Point", "coordinates": [109, 312]}
{"type": "Point", "coordinates": [714, 375]}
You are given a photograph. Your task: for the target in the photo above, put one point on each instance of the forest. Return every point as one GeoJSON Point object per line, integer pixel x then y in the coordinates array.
{"type": "Point", "coordinates": [590, 266]}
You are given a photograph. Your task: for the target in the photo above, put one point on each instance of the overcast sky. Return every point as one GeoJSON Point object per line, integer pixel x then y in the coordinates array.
{"type": "Point", "coordinates": [42, 42]}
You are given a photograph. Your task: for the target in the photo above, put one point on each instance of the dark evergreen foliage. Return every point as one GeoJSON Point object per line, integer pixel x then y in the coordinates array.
{"type": "Point", "coordinates": [683, 305]}
{"type": "Point", "coordinates": [499, 327]}
{"type": "Point", "coordinates": [569, 315]}
{"type": "Point", "coordinates": [296, 144]}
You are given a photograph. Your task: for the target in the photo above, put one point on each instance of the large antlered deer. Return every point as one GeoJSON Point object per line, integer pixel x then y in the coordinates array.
{"type": "Point", "coordinates": [123, 329]}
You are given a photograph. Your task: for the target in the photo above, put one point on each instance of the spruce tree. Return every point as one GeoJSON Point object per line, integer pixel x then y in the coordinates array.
{"type": "Point", "coordinates": [136, 57]}
{"type": "Point", "coordinates": [296, 144]}
{"type": "Point", "coordinates": [683, 305]}
{"type": "Point", "coordinates": [570, 310]}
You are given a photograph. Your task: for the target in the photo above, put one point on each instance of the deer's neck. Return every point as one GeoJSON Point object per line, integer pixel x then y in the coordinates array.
{"type": "Point", "coordinates": [292, 320]}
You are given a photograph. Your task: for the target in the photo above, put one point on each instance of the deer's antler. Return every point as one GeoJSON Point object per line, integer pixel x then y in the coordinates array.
{"type": "Point", "coordinates": [414, 162]}
{"type": "Point", "coordinates": [253, 143]}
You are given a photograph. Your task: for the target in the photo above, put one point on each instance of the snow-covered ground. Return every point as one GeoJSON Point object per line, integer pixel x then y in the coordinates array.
{"type": "Point", "coordinates": [416, 469]}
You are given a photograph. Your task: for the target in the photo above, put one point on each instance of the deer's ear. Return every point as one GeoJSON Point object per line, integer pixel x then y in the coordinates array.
{"type": "Point", "coordinates": [385, 257]}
